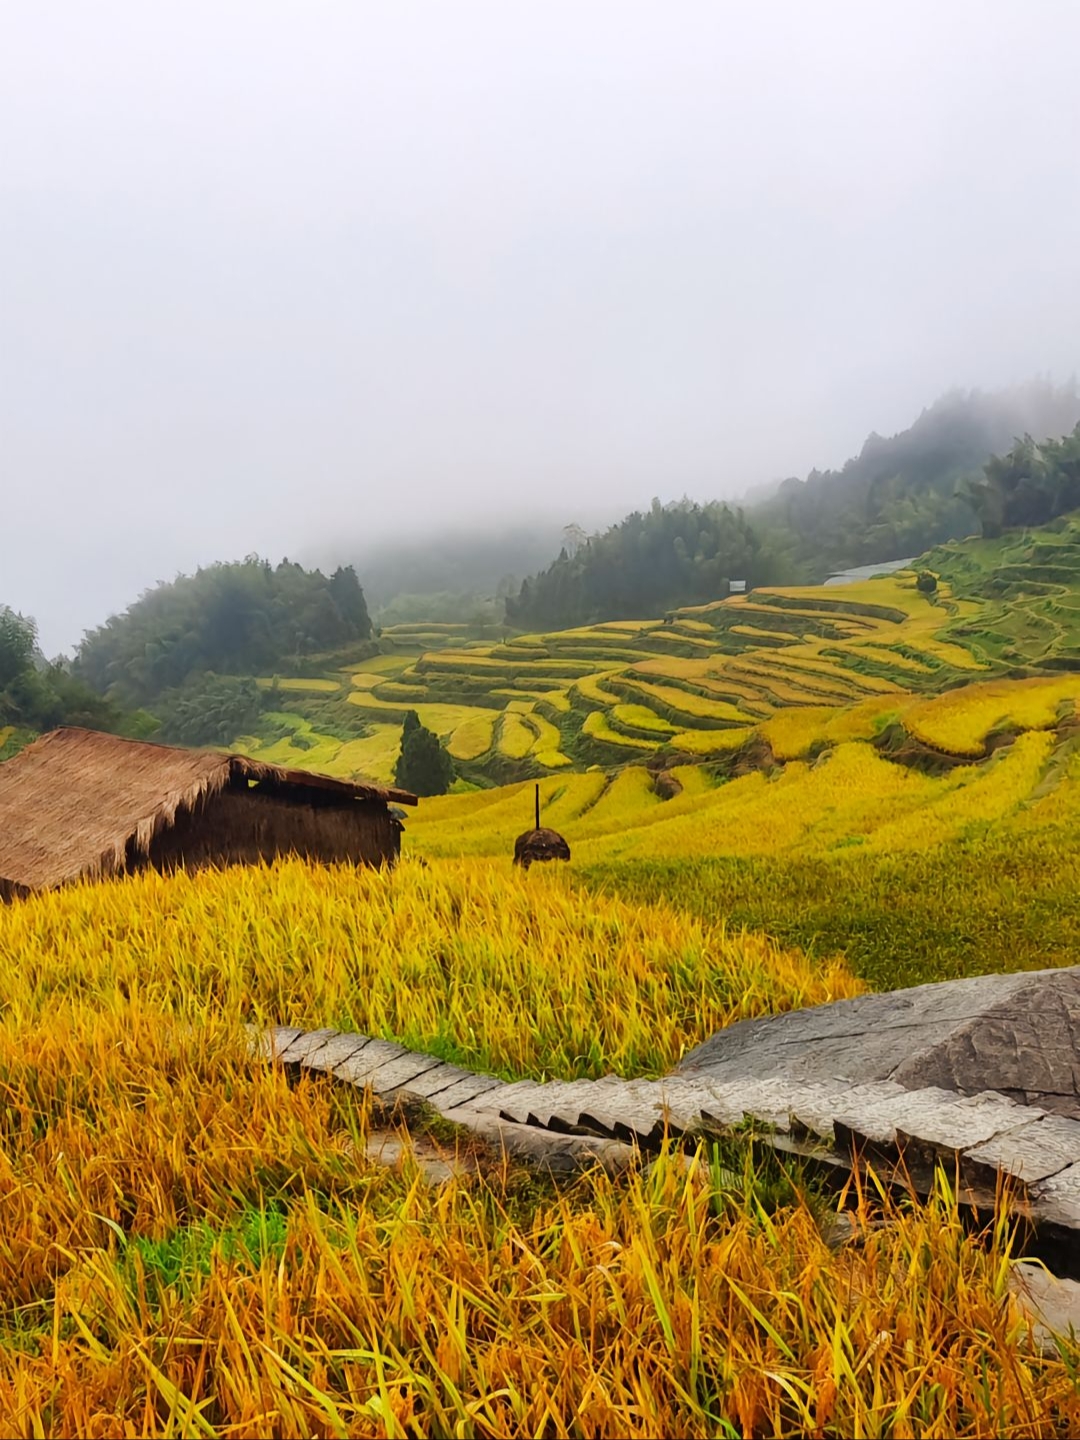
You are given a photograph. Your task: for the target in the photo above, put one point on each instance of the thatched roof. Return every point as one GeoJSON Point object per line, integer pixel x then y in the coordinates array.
{"type": "Point", "coordinates": [71, 802]}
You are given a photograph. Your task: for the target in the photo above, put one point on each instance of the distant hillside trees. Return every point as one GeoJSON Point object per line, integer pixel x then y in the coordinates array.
{"type": "Point", "coordinates": [681, 554]}
{"type": "Point", "coordinates": [243, 618]}
{"type": "Point", "coordinates": [1029, 485]}
{"type": "Point", "coordinates": [424, 766]}
{"type": "Point", "coordinates": [899, 496]}
{"type": "Point", "coordinates": [39, 695]}
{"type": "Point", "coordinates": [210, 710]}
{"type": "Point", "coordinates": [18, 644]}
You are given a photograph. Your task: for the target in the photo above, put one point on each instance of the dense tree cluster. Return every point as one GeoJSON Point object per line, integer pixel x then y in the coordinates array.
{"type": "Point", "coordinates": [38, 695]}
{"type": "Point", "coordinates": [1029, 485]}
{"type": "Point", "coordinates": [424, 766]}
{"type": "Point", "coordinates": [680, 554]}
{"type": "Point", "coordinates": [243, 618]}
{"type": "Point", "coordinates": [210, 710]}
{"type": "Point", "coordinates": [902, 495]}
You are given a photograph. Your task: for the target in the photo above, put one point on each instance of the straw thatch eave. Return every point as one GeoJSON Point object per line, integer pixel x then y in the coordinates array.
{"type": "Point", "coordinates": [259, 770]}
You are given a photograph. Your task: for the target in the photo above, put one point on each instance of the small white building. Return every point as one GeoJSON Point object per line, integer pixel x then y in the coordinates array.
{"type": "Point", "coordinates": [736, 587]}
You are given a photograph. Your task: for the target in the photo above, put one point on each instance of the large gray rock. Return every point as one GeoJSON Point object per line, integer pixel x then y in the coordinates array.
{"type": "Point", "coordinates": [1016, 1034]}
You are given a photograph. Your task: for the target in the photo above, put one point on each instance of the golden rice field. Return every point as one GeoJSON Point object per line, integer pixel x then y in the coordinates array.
{"type": "Point", "coordinates": [710, 742]}
{"type": "Point", "coordinates": [687, 705]}
{"type": "Point", "coordinates": [304, 748]}
{"type": "Point", "coordinates": [472, 738]}
{"type": "Point", "coordinates": [194, 1246]}
{"type": "Point", "coordinates": [852, 795]}
{"type": "Point", "coordinates": [556, 700]}
{"type": "Point", "coordinates": [959, 721]}
{"type": "Point", "coordinates": [475, 961]}
{"type": "Point", "coordinates": [642, 718]}
{"type": "Point", "coordinates": [516, 736]}
{"type": "Point", "coordinates": [597, 727]}
{"type": "Point", "coordinates": [220, 1259]}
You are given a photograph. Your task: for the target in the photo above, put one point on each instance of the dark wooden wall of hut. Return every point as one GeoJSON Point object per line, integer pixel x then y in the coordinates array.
{"type": "Point", "coordinates": [244, 826]}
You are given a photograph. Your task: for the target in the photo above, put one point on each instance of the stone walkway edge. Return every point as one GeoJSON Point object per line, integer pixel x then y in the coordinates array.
{"type": "Point", "coordinates": [565, 1126]}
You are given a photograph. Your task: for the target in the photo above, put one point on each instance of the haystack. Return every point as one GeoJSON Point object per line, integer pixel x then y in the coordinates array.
{"type": "Point", "coordinates": [77, 804]}
{"type": "Point", "coordinates": [540, 844]}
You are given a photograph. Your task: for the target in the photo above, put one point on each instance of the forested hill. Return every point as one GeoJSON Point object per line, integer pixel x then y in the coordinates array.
{"type": "Point", "coordinates": [944, 477]}
{"type": "Point", "coordinates": [901, 495]}
{"type": "Point", "coordinates": [681, 554]}
{"type": "Point", "coordinates": [244, 618]}
{"type": "Point", "coordinates": [36, 694]}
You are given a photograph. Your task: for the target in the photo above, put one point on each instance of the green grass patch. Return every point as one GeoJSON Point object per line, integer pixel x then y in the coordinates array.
{"type": "Point", "coordinates": [983, 905]}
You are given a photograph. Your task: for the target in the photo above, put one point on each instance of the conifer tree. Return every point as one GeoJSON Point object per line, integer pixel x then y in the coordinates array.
{"type": "Point", "coordinates": [424, 766]}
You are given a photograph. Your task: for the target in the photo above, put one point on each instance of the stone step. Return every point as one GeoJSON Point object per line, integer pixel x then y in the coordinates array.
{"type": "Point", "coordinates": [1036, 1150]}
{"type": "Point", "coordinates": [466, 1091]}
{"type": "Point", "coordinates": [565, 1125]}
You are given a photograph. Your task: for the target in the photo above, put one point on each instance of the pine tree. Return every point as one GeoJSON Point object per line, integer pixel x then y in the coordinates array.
{"type": "Point", "coordinates": [424, 766]}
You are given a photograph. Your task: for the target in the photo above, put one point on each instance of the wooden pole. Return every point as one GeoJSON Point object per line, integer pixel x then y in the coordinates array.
{"type": "Point", "coordinates": [538, 805]}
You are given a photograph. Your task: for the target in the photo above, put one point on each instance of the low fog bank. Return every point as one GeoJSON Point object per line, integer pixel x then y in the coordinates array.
{"type": "Point", "coordinates": [278, 277]}
{"type": "Point", "coordinates": [487, 557]}
{"type": "Point", "coordinates": [459, 559]}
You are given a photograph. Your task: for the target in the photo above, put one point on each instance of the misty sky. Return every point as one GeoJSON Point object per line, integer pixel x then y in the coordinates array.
{"type": "Point", "coordinates": [284, 277]}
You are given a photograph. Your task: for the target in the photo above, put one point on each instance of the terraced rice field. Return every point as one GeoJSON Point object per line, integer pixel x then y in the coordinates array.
{"type": "Point", "coordinates": [472, 738]}
{"type": "Point", "coordinates": [853, 795]}
{"type": "Point", "coordinates": [313, 686]}
{"type": "Point", "coordinates": [697, 685]}
{"type": "Point", "coordinates": [303, 748]}
{"type": "Point", "coordinates": [713, 679]}
{"type": "Point", "coordinates": [960, 721]}
{"type": "Point", "coordinates": [598, 728]}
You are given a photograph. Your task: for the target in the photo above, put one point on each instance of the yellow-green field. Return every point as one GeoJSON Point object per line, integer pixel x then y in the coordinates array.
{"type": "Point", "coordinates": [304, 748]}
{"type": "Point", "coordinates": [316, 686]}
{"type": "Point", "coordinates": [959, 721]}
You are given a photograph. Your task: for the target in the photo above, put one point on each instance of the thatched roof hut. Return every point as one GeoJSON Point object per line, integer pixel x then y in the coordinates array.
{"type": "Point", "coordinates": [78, 804]}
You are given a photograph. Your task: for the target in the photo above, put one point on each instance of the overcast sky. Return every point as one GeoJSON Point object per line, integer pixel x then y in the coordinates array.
{"type": "Point", "coordinates": [274, 276]}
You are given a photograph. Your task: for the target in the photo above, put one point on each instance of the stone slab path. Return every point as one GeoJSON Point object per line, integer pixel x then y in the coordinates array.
{"type": "Point", "coordinates": [565, 1126]}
